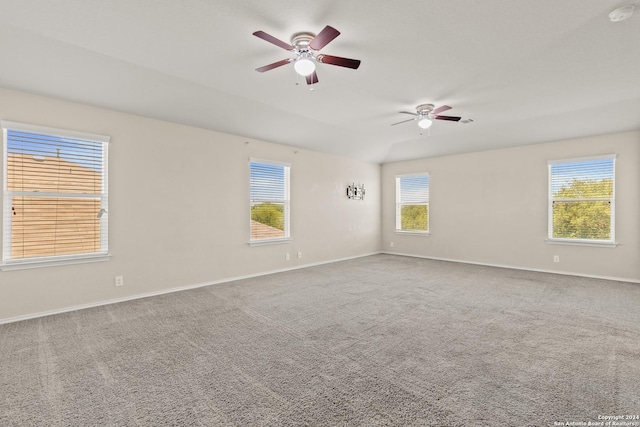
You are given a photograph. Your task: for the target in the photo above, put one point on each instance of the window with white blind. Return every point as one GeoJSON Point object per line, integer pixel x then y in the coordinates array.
{"type": "Point", "coordinates": [54, 196]}
{"type": "Point", "coordinates": [412, 203]}
{"type": "Point", "coordinates": [269, 201]}
{"type": "Point", "coordinates": [582, 200]}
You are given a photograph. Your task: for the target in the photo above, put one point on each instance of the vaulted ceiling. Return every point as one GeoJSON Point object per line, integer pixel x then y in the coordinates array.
{"type": "Point", "coordinates": [525, 71]}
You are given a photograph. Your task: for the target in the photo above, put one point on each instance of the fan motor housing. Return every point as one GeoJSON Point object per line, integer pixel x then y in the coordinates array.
{"type": "Point", "coordinates": [302, 40]}
{"type": "Point", "coordinates": [424, 109]}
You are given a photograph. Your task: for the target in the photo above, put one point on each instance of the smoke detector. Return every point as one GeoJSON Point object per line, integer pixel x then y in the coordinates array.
{"type": "Point", "coordinates": [621, 13]}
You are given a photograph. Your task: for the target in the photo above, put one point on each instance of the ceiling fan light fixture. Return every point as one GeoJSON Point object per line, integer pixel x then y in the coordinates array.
{"type": "Point", "coordinates": [425, 122]}
{"type": "Point", "coordinates": [304, 66]}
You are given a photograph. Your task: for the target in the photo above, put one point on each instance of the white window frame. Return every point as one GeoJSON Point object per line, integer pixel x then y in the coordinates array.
{"type": "Point", "coordinates": [578, 241]}
{"type": "Point", "coordinates": [286, 202]}
{"type": "Point", "coordinates": [7, 262]}
{"type": "Point", "coordinates": [399, 206]}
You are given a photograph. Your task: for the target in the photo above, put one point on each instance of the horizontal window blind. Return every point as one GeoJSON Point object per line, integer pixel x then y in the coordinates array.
{"type": "Point", "coordinates": [269, 200]}
{"type": "Point", "coordinates": [412, 202]}
{"type": "Point", "coordinates": [581, 199]}
{"type": "Point", "coordinates": [55, 195]}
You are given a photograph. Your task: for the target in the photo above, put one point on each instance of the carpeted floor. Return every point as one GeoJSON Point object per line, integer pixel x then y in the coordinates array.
{"type": "Point", "coordinates": [381, 340]}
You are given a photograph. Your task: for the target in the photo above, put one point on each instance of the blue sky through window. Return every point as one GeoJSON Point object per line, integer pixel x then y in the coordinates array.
{"type": "Point", "coordinates": [82, 152]}
{"type": "Point", "coordinates": [267, 182]}
{"type": "Point", "coordinates": [414, 189]}
{"type": "Point", "coordinates": [563, 173]}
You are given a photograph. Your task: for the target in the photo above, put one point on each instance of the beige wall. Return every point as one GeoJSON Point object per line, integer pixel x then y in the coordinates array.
{"type": "Point", "coordinates": [491, 208]}
{"type": "Point", "coordinates": [179, 209]}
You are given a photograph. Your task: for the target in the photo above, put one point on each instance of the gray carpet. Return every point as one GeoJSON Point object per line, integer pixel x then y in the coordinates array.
{"type": "Point", "coordinates": [381, 340]}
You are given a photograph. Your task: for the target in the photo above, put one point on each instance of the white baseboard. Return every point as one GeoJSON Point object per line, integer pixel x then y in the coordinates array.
{"type": "Point", "coordinates": [171, 290]}
{"type": "Point", "coordinates": [512, 267]}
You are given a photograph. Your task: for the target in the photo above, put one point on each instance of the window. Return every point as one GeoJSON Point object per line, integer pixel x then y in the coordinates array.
{"type": "Point", "coordinates": [412, 203]}
{"type": "Point", "coordinates": [54, 196]}
{"type": "Point", "coordinates": [269, 201]}
{"type": "Point", "coordinates": [581, 200]}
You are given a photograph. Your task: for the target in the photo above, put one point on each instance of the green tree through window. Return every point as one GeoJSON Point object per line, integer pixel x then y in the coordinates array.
{"type": "Point", "coordinates": [270, 214]}
{"type": "Point", "coordinates": [414, 217]}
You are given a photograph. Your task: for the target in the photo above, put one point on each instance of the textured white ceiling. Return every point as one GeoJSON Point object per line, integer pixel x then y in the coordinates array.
{"type": "Point", "coordinates": [525, 71]}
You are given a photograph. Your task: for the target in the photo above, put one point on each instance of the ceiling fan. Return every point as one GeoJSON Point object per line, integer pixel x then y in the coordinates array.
{"type": "Point", "coordinates": [306, 46]}
{"type": "Point", "coordinates": [425, 114]}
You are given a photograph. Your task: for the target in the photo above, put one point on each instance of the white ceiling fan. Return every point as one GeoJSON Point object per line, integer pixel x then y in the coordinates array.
{"type": "Point", "coordinates": [426, 113]}
{"type": "Point", "coordinates": [306, 47]}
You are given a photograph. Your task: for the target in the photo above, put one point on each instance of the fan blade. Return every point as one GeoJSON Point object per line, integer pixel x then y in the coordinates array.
{"type": "Point", "coordinates": [404, 121]}
{"type": "Point", "coordinates": [271, 39]}
{"type": "Point", "coordinates": [312, 78]}
{"type": "Point", "coordinates": [407, 112]}
{"type": "Point", "coordinates": [336, 60]}
{"type": "Point", "coordinates": [450, 118]}
{"type": "Point", "coordinates": [441, 109]}
{"type": "Point", "coordinates": [324, 37]}
{"type": "Point", "coordinates": [274, 65]}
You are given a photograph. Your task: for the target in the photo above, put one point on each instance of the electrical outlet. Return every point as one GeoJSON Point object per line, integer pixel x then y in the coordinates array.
{"type": "Point", "coordinates": [299, 255]}
{"type": "Point", "coordinates": [287, 256]}
{"type": "Point", "coordinates": [392, 244]}
{"type": "Point", "coordinates": [556, 258]}
{"type": "Point", "coordinates": [119, 281]}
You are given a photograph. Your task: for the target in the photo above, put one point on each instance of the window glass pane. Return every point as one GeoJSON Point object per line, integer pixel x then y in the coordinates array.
{"type": "Point", "coordinates": [414, 217]}
{"type": "Point", "coordinates": [267, 220]}
{"type": "Point", "coordinates": [267, 182]}
{"type": "Point", "coordinates": [582, 220]}
{"type": "Point", "coordinates": [50, 164]}
{"type": "Point", "coordinates": [45, 226]}
{"type": "Point", "coordinates": [414, 189]}
{"type": "Point", "coordinates": [587, 179]}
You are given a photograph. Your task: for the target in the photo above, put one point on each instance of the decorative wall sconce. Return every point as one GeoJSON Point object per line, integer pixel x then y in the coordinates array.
{"type": "Point", "coordinates": [355, 192]}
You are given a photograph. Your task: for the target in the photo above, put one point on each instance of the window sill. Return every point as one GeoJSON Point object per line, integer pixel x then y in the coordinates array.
{"type": "Point", "coordinates": [264, 242]}
{"type": "Point", "coordinates": [52, 262]}
{"type": "Point", "coordinates": [600, 244]}
{"type": "Point", "coordinates": [413, 233]}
